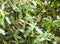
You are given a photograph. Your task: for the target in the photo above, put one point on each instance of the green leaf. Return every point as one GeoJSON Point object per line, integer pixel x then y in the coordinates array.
{"type": "Point", "coordinates": [5, 42]}
{"type": "Point", "coordinates": [27, 33]}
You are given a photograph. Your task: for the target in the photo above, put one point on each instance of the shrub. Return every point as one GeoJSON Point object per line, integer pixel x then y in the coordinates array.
{"type": "Point", "coordinates": [29, 21]}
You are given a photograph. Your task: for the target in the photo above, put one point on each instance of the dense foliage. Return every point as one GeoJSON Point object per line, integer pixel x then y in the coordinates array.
{"type": "Point", "coordinates": [29, 21]}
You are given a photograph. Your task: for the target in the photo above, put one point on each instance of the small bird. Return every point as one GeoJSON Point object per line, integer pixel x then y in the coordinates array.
{"type": "Point", "coordinates": [39, 17]}
{"type": "Point", "coordinates": [16, 24]}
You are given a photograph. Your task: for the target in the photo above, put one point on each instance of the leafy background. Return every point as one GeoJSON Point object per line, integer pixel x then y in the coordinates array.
{"type": "Point", "coordinates": [29, 21]}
